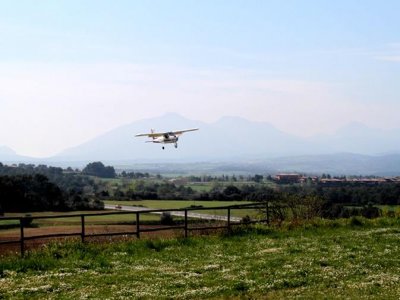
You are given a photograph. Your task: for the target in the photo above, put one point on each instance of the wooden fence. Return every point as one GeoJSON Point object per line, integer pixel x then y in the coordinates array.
{"type": "Point", "coordinates": [23, 221]}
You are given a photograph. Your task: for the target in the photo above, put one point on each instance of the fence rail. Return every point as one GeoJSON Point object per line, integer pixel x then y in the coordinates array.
{"type": "Point", "coordinates": [229, 223]}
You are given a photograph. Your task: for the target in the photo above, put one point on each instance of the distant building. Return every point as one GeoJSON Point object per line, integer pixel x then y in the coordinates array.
{"type": "Point", "coordinates": [332, 181]}
{"type": "Point", "coordinates": [288, 178]}
{"type": "Point", "coordinates": [178, 181]}
{"type": "Point", "coordinates": [308, 179]}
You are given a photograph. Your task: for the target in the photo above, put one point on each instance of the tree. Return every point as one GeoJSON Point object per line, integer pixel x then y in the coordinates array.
{"type": "Point", "coordinates": [231, 192]}
{"type": "Point", "coordinates": [98, 169]}
{"type": "Point", "coordinates": [258, 178]}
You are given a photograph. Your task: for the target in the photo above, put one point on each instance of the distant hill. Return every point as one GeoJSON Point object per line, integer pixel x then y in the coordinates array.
{"type": "Point", "coordinates": [234, 143]}
{"type": "Point", "coordinates": [358, 138]}
{"type": "Point", "coordinates": [228, 138]}
{"type": "Point", "coordinates": [8, 155]}
{"type": "Point", "coordinates": [339, 164]}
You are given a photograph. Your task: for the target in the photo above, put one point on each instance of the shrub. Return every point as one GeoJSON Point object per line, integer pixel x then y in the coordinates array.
{"type": "Point", "coordinates": [371, 212]}
{"type": "Point", "coordinates": [246, 219]}
{"type": "Point", "coordinates": [167, 219]}
{"type": "Point", "coordinates": [356, 221]}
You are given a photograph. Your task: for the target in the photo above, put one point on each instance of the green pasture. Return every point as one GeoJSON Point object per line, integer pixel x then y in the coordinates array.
{"type": "Point", "coordinates": [6, 225]}
{"type": "Point", "coordinates": [203, 187]}
{"type": "Point", "coordinates": [65, 221]}
{"type": "Point", "coordinates": [341, 259]}
{"type": "Point", "coordinates": [99, 220]}
{"type": "Point", "coordinates": [172, 204]}
{"type": "Point", "coordinates": [200, 187]}
{"type": "Point", "coordinates": [176, 204]}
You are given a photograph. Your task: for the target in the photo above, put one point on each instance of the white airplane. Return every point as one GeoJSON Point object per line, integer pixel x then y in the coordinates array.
{"type": "Point", "coordinates": [171, 137]}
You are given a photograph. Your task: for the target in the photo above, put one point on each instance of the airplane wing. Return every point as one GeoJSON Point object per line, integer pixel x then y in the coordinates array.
{"type": "Point", "coordinates": [179, 132]}
{"type": "Point", "coordinates": [157, 134]}
{"type": "Point", "coordinates": [153, 134]}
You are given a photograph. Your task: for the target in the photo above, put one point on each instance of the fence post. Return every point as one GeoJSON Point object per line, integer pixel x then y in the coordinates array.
{"type": "Point", "coordinates": [22, 238]}
{"type": "Point", "coordinates": [138, 225]}
{"type": "Point", "coordinates": [186, 224]}
{"type": "Point", "coordinates": [229, 220]}
{"type": "Point", "coordinates": [83, 228]}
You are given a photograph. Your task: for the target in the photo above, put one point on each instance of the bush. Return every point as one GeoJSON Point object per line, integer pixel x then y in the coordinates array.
{"type": "Point", "coordinates": [167, 219]}
{"type": "Point", "coordinates": [246, 219]}
{"type": "Point", "coordinates": [371, 212]}
{"type": "Point", "coordinates": [356, 221]}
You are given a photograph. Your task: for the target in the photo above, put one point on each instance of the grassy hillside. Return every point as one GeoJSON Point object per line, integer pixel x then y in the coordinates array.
{"type": "Point", "coordinates": [328, 259]}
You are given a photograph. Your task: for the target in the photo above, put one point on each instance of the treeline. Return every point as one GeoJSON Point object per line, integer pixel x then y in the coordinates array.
{"type": "Point", "coordinates": [68, 179]}
{"type": "Point", "coordinates": [36, 188]}
{"type": "Point", "coordinates": [22, 193]}
{"type": "Point", "coordinates": [349, 200]}
{"type": "Point", "coordinates": [228, 178]}
{"type": "Point", "coordinates": [383, 194]}
{"type": "Point", "coordinates": [155, 191]}
{"type": "Point", "coordinates": [99, 169]}
{"type": "Point", "coordinates": [135, 175]}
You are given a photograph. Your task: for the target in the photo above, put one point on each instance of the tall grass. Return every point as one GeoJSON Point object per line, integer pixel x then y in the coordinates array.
{"type": "Point", "coordinates": [348, 258]}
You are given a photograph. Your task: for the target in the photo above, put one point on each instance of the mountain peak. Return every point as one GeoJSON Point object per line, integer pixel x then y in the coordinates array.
{"type": "Point", "coordinates": [354, 127]}
{"type": "Point", "coordinates": [4, 150]}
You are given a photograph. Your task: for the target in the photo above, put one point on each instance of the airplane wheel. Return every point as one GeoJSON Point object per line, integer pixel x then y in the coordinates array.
{"type": "Point", "coordinates": [163, 148]}
{"type": "Point", "coordinates": [176, 146]}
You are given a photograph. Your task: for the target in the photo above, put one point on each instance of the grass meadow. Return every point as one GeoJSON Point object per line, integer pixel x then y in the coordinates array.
{"type": "Point", "coordinates": [353, 258]}
{"type": "Point", "coordinates": [175, 204]}
{"type": "Point", "coordinates": [96, 220]}
{"type": "Point", "coordinates": [125, 219]}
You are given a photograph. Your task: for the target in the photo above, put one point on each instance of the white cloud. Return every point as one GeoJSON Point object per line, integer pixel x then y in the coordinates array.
{"type": "Point", "coordinates": [394, 58]}
{"type": "Point", "coordinates": [390, 52]}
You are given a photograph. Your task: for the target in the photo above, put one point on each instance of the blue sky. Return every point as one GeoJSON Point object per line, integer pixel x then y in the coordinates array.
{"type": "Point", "coordinates": [70, 70]}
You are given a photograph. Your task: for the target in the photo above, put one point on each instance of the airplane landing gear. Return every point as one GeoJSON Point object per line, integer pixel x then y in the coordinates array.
{"type": "Point", "coordinates": [163, 147]}
{"type": "Point", "coordinates": [176, 145]}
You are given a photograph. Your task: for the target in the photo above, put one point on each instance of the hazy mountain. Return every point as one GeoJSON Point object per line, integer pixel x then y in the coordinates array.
{"type": "Point", "coordinates": [358, 138]}
{"type": "Point", "coordinates": [338, 164]}
{"type": "Point", "coordinates": [8, 155]}
{"type": "Point", "coordinates": [234, 143]}
{"type": "Point", "coordinates": [4, 150]}
{"type": "Point", "coordinates": [228, 138]}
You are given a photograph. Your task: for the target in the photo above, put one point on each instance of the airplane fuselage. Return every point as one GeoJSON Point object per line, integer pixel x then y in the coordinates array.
{"type": "Point", "coordinates": [166, 139]}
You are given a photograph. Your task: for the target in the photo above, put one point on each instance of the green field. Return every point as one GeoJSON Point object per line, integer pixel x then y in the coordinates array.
{"type": "Point", "coordinates": [207, 186]}
{"type": "Point", "coordinates": [7, 225]}
{"type": "Point", "coordinates": [175, 204]}
{"type": "Point", "coordinates": [350, 259]}
{"type": "Point", "coordinates": [96, 220]}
